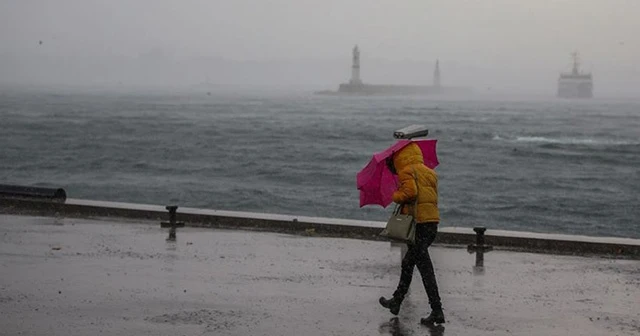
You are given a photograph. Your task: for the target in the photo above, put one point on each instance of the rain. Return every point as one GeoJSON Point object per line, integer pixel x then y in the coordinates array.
{"type": "Point", "coordinates": [330, 167]}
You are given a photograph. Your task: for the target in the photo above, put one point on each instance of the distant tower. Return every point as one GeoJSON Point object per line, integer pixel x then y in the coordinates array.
{"type": "Point", "coordinates": [355, 67]}
{"type": "Point", "coordinates": [436, 75]}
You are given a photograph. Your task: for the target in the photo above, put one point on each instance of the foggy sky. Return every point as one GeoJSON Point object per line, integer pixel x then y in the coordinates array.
{"type": "Point", "coordinates": [506, 45]}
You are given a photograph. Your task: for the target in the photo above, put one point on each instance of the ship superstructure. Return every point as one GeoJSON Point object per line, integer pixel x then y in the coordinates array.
{"type": "Point", "coordinates": [575, 84]}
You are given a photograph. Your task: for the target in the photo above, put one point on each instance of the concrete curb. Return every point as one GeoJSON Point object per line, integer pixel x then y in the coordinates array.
{"type": "Point", "coordinates": [521, 241]}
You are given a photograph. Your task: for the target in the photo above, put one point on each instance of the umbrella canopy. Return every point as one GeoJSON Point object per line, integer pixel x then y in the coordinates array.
{"type": "Point", "coordinates": [376, 182]}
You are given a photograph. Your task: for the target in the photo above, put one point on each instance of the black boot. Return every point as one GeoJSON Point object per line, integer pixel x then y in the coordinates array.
{"type": "Point", "coordinates": [392, 304]}
{"type": "Point", "coordinates": [436, 316]}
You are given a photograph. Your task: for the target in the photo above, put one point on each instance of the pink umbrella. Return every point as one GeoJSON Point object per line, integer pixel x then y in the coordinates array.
{"type": "Point", "coordinates": [376, 182]}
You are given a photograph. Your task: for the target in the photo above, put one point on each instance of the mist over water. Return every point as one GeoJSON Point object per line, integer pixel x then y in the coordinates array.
{"type": "Point", "coordinates": [493, 46]}
{"type": "Point", "coordinates": [546, 166]}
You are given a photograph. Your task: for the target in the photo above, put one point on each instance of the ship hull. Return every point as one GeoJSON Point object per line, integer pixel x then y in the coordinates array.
{"type": "Point", "coordinates": [575, 88]}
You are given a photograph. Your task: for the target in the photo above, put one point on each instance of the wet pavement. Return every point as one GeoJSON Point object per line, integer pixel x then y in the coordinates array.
{"type": "Point", "coordinates": [91, 277]}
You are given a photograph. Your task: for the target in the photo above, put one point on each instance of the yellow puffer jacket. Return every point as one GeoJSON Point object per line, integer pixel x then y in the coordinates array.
{"type": "Point", "coordinates": [410, 166]}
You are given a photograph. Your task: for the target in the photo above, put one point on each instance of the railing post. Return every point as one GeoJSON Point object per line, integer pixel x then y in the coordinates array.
{"type": "Point", "coordinates": [172, 224]}
{"type": "Point", "coordinates": [479, 248]}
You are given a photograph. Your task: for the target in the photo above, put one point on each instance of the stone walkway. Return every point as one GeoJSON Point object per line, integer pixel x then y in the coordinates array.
{"type": "Point", "coordinates": [91, 277]}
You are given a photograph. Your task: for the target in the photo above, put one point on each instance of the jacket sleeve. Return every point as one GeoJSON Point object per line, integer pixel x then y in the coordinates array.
{"type": "Point", "coordinates": [407, 190]}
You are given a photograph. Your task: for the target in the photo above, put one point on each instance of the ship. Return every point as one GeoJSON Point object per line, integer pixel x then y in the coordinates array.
{"type": "Point", "coordinates": [575, 84]}
{"type": "Point", "coordinates": [356, 86]}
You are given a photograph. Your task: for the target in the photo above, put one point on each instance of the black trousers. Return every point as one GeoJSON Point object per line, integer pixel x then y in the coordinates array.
{"type": "Point", "coordinates": [418, 255]}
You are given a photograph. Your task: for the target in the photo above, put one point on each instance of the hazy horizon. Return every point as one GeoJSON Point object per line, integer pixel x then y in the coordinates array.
{"type": "Point", "coordinates": [491, 46]}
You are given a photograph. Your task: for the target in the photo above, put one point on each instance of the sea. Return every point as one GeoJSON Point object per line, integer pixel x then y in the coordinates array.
{"type": "Point", "coordinates": [525, 164]}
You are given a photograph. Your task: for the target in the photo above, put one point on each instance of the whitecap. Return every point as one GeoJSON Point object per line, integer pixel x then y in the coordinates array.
{"type": "Point", "coordinates": [574, 141]}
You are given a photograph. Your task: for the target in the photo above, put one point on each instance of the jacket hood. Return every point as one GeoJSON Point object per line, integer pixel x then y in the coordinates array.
{"type": "Point", "coordinates": [408, 155]}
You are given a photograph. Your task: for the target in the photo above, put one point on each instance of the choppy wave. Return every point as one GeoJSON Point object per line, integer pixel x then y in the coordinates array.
{"type": "Point", "coordinates": [575, 141]}
{"type": "Point", "coordinates": [567, 140]}
{"type": "Point", "coordinates": [300, 155]}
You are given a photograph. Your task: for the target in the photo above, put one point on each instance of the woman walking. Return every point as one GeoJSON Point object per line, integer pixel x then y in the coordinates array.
{"type": "Point", "coordinates": [419, 184]}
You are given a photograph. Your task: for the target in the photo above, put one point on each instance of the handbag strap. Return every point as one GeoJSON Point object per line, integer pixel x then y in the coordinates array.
{"type": "Point", "coordinates": [415, 202]}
